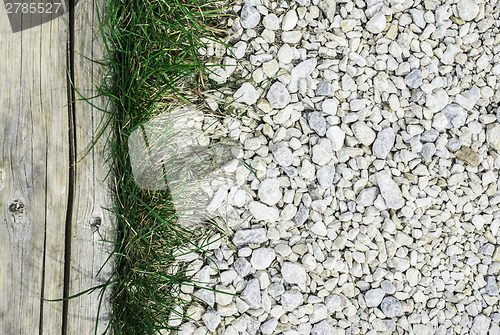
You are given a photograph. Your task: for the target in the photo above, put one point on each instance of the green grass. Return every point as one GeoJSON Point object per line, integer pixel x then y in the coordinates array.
{"type": "Point", "coordinates": [154, 65]}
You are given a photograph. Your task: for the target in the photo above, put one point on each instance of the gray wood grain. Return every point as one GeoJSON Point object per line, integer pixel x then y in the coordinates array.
{"type": "Point", "coordinates": [34, 162]}
{"type": "Point", "coordinates": [92, 223]}
{"type": "Point", "coordinates": [38, 194]}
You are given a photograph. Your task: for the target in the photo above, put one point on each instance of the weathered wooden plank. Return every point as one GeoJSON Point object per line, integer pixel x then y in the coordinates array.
{"type": "Point", "coordinates": [92, 223]}
{"type": "Point", "coordinates": [34, 176]}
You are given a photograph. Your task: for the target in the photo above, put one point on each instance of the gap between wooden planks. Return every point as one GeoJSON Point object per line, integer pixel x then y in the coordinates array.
{"type": "Point", "coordinates": [53, 217]}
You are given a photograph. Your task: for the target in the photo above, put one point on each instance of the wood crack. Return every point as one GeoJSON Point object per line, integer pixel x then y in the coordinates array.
{"type": "Point", "coordinates": [72, 159]}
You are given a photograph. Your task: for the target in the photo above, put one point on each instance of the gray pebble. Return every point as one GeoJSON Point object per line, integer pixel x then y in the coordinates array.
{"type": "Point", "coordinates": [429, 135]}
{"type": "Point", "coordinates": [391, 307]}
{"type": "Point", "coordinates": [291, 171]}
{"type": "Point", "coordinates": [325, 176]}
{"type": "Point", "coordinates": [282, 154]}
{"type": "Point", "coordinates": [324, 88]}
{"type": "Point", "coordinates": [383, 143]}
{"type": "Point", "coordinates": [291, 299]}
{"type": "Point", "coordinates": [242, 266]}
{"type": "Point", "coordinates": [453, 144]}
{"type": "Point", "coordinates": [278, 96]}
{"type": "Point", "coordinates": [322, 328]}
{"type": "Point", "coordinates": [487, 249]}
{"type": "Point", "coordinates": [414, 79]}
{"type": "Point", "coordinates": [495, 317]}
{"type": "Point", "coordinates": [317, 123]}
{"type": "Point", "coordinates": [251, 294]}
{"type": "Point", "coordinates": [491, 286]}
{"type": "Point", "coordinates": [428, 150]}
{"type": "Point", "coordinates": [301, 215]}
{"type": "Point", "coordinates": [455, 114]}
{"type": "Point", "coordinates": [246, 237]}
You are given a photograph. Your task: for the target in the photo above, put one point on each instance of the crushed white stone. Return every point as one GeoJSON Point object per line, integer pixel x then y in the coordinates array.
{"type": "Point", "coordinates": [377, 23]}
{"type": "Point", "coordinates": [389, 190]}
{"type": "Point", "coordinates": [363, 195]}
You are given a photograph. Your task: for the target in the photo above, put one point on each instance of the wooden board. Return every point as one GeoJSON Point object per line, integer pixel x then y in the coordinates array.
{"type": "Point", "coordinates": [34, 162]}
{"type": "Point", "coordinates": [41, 197]}
{"type": "Point", "coordinates": [92, 223]}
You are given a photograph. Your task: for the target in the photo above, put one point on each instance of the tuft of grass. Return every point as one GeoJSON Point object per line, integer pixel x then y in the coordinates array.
{"type": "Point", "coordinates": [154, 64]}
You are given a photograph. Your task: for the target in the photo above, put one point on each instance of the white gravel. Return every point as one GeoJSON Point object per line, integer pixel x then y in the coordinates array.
{"type": "Point", "coordinates": [365, 195]}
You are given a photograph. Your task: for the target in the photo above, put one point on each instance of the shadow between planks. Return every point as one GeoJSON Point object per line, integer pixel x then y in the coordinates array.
{"type": "Point", "coordinates": [53, 198]}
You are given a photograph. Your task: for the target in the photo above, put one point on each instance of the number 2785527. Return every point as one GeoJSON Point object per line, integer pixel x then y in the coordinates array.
{"type": "Point", "coordinates": [33, 8]}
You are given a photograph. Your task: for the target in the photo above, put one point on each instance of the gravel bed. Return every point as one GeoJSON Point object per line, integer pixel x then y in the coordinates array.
{"type": "Point", "coordinates": [372, 130]}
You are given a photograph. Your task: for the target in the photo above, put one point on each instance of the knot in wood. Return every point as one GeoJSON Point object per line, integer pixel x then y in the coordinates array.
{"type": "Point", "coordinates": [16, 207]}
{"type": "Point", "coordinates": [96, 223]}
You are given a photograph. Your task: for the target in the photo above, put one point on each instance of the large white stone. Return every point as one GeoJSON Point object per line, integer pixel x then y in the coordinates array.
{"type": "Point", "coordinates": [468, 99]}
{"type": "Point", "coordinates": [262, 258]}
{"type": "Point", "coordinates": [278, 96]}
{"type": "Point", "coordinates": [269, 191]}
{"type": "Point", "coordinates": [413, 276]}
{"type": "Point", "coordinates": [391, 307]}
{"type": "Point", "coordinates": [389, 190]}
{"type": "Point", "coordinates": [285, 54]}
{"type": "Point", "coordinates": [323, 328]}
{"type": "Point", "coordinates": [250, 17]}
{"type": "Point", "coordinates": [383, 143]}
{"type": "Point", "coordinates": [211, 319]}
{"type": "Point", "coordinates": [328, 8]}
{"type": "Point", "coordinates": [262, 212]}
{"type": "Point", "coordinates": [252, 295]}
{"type": "Point", "coordinates": [246, 94]}
{"type": "Point", "coordinates": [301, 71]}
{"type": "Point", "coordinates": [377, 23]}
{"type": "Point", "coordinates": [493, 136]}
{"type": "Point", "coordinates": [467, 10]}
{"type": "Point", "coordinates": [363, 133]}
{"type": "Point", "coordinates": [282, 154]}
{"type": "Point", "coordinates": [374, 297]}
{"type": "Point", "coordinates": [292, 37]}
{"type": "Point", "coordinates": [337, 136]}
{"type": "Point", "coordinates": [289, 20]}
{"type": "Point", "coordinates": [322, 152]}
{"type": "Point", "coordinates": [437, 100]}
{"type": "Point", "coordinates": [294, 274]}
{"type": "Point", "coordinates": [291, 299]}
{"type": "Point", "coordinates": [334, 303]}
{"type": "Point", "coordinates": [481, 325]}
{"type": "Point", "coordinates": [271, 22]}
